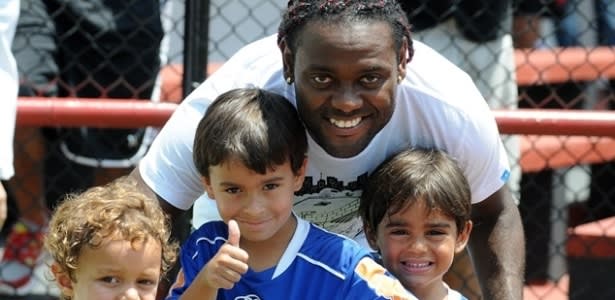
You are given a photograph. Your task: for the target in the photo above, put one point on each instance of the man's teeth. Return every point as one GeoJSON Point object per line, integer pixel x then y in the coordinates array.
{"type": "Point", "coordinates": [345, 123]}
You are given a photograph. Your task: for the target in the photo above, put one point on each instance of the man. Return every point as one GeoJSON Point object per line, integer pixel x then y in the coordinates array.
{"type": "Point", "coordinates": [364, 92]}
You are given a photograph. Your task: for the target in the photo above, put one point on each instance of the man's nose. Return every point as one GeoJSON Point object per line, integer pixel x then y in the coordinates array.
{"type": "Point", "coordinates": [347, 99]}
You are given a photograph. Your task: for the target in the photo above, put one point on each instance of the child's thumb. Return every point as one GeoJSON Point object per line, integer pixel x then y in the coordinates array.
{"type": "Point", "coordinates": [233, 233]}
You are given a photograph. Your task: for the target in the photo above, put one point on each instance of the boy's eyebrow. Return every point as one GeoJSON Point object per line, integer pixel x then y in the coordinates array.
{"type": "Point", "coordinates": [398, 223]}
{"type": "Point", "coordinates": [395, 223]}
{"type": "Point", "coordinates": [269, 180]}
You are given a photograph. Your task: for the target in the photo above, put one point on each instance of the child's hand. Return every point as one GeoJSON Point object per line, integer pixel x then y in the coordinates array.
{"type": "Point", "coordinates": [227, 266]}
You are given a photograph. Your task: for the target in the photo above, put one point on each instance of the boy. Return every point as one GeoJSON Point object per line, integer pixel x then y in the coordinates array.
{"type": "Point", "coordinates": [416, 215]}
{"type": "Point", "coordinates": [250, 149]}
{"type": "Point", "coordinates": [110, 242]}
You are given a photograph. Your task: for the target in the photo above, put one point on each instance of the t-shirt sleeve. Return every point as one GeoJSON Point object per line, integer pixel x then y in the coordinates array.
{"type": "Point", "coordinates": [168, 168]}
{"type": "Point", "coordinates": [481, 153]}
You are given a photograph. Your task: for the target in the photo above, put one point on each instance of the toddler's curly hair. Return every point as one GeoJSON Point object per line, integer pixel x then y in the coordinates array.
{"type": "Point", "coordinates": [118, 210]}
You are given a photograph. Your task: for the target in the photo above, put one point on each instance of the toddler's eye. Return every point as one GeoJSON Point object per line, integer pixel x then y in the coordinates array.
{"type": "Point", "coordinates": [399, 232]}
{"type": "Point", "coordinates": [110, 279]}
{"type": "Point", "coordinates": [147, 282]}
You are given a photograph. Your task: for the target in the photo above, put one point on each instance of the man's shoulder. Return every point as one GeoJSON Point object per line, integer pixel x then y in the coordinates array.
{"type": "Point", "coordinates": [429, 64]}
{"type": "Point", "coordinates": [434, 80]}
{"type": "Point", "coordinates": [258, 64]}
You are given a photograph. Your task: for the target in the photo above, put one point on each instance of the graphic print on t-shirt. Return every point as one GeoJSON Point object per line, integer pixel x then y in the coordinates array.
{"type": "Point", "coordinates": [331, 203]}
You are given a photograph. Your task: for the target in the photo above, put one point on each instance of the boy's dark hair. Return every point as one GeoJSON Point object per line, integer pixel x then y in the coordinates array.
{"type": "Point", "coordinates": [416, 175]}
{"type": "Point", "coordinates": [260, 128]}
{"type": "Point", "coordinates": [301, 12]}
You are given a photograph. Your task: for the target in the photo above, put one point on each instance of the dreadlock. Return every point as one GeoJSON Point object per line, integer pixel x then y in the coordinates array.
{"type": "Point", "coordinates": [300, 12]}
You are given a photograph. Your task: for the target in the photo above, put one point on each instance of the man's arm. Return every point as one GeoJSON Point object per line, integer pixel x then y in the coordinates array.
{"type": "Point", "coordinates": [173, 212]}
{"type": "Point", "coordinates": [179, 231]}
{"type": "Point", "coordinates": [497, 246]}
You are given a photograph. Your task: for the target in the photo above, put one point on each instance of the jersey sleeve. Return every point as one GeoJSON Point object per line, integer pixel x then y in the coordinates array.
{"type": "Point", "coordinates": [195, 253]}
{"type": "Point", "coordinates": [369, 280]}
{"type": "Point", "coordinates": [188, 271]}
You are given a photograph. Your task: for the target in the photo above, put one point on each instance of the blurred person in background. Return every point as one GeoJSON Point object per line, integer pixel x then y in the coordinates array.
{"type": "Point", "coordinates": [85, 49]}
{"type": "Point", "coordinates": [575, 22]}
{"type": "Point", "coordinates": [571, 24]}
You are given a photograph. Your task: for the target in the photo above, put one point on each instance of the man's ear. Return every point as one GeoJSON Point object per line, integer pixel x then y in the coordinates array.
{"type": "Point", "coordinates": [288, 60]}
{"type": "Point", "coordinates": [403, 59]}
{"type": "Point", "coordinates": [208, 188]}
{"type": "Point", "coordinates": [463, 237]}
{"type": "Point", "coordinates": [63, 279]}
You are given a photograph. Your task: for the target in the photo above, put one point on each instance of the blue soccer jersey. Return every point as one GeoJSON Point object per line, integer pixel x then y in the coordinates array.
{"type": "Point", "coordinates": [317, 264]}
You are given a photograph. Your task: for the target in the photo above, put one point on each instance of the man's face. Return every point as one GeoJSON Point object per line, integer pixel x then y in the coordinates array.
{"type": "Point", "coordinates": [345, 77]}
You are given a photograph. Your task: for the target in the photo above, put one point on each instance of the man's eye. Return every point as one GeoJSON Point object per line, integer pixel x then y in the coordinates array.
{"type": "Point", "coordinates": [371, 80]}
{"type": "Point", "coordinates": [321, 79]}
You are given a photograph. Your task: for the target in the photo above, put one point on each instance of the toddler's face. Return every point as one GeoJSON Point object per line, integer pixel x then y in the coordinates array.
{"type": "Point", "coordinates": [118, 269]}
{"type": "Point", "coordinates": [418, 246]}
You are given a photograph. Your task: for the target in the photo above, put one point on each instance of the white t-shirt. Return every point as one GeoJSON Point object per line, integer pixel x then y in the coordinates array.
{"type": "Point", "coordinates": [9, 12]}
{"type": "Point", "coordinates": [437, 105]}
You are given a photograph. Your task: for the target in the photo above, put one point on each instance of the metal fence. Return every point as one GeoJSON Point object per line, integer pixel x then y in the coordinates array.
{"type": "Point", "coordinates": [565, 180]}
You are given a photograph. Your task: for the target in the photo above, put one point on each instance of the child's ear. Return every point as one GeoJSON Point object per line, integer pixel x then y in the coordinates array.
{"type": "Point", "coordinates": [463, 237]}
{"type": "Point", "coordinates": [371, 237]}
{"type": "Point", "coordinates": [300, 175]}
{"type": "Point", "coordinates": [208, 188]}
{"type": "Point", "coordinates": [63, 279]}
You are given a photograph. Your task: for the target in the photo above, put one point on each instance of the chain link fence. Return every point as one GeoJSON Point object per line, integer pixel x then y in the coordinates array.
{"type": "Point", "coordinates": [135, 49]}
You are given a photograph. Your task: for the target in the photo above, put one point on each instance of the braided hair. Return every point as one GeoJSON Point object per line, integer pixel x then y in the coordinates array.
{"type": "Point", "coordinates": [300, 12]}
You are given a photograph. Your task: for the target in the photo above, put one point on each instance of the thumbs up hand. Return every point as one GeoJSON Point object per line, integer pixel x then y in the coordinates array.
{"type": "Point", "coordinates": [227, 266]}
{"type": "Point", "coordinates": [233, 233]}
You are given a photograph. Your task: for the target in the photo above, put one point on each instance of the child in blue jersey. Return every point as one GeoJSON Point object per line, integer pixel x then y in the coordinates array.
{"type": "Point", "coordinates": [416, 215]}
{"type": "Point", "coordinates": [250, 150]}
